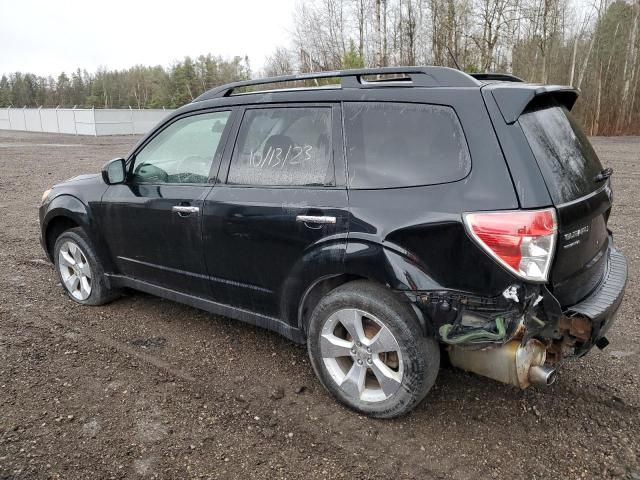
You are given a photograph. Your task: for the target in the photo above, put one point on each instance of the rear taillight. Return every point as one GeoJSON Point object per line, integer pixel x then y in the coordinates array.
{"type": "Point", "coordinates": [522, 241]}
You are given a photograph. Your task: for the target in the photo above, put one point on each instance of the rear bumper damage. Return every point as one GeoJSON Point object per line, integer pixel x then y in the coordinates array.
{"type": "Point", "coordinates": [585, 324]}
{"type": "Point", "coordinates": [601, 306]}
{"type": "Point", "coordinates": [519, 337]}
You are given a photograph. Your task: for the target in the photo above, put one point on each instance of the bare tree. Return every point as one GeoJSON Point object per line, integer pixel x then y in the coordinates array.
{"type": "Point", "coordinates": [629, 71]}
{"type": "Point", "coordinates": [279, 63]}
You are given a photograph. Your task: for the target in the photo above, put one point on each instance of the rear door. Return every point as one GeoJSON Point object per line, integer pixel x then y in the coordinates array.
{"type": "Point", "coordinates": [582, 196]}
{"type": "Point", "coordinates": [281, 216]}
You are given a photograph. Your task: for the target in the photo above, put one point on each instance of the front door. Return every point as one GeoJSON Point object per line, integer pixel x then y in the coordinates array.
{"type": "Point", "coordinates": [281, 217]}
{"type": "Point", "coordinates": [152, 223]}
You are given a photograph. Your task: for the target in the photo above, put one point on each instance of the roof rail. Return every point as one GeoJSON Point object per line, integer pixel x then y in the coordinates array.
{"type": "Point", "coordinates": [502, 77]}
{"type": "Point", "coordinates": [419, 76]}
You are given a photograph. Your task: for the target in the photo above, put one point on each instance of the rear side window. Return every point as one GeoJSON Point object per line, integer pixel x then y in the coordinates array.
{"type": "Point", "coordinates": [284, 146]}
{"type": "Point", "coordinates": [566, 158]}
{"type": "Point", "coordinates": [403, 144]}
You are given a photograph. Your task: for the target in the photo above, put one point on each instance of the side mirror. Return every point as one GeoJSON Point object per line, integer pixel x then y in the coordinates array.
{"type": "Point", "coordinates": [114, 172]}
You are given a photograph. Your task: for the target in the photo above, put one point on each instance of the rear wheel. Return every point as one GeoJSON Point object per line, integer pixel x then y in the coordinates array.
{"type": "Point", "coordinates": [80, 270]}
{"type": "Point", "coordinates": [369, 351]}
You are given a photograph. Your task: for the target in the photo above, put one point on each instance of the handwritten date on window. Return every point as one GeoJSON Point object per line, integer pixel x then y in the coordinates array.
{"type": "Point", "coordinates": [276, 157]}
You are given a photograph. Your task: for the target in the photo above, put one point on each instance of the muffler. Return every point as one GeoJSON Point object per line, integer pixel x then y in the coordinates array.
{"type": "Point", "coordinates": [512, 363]}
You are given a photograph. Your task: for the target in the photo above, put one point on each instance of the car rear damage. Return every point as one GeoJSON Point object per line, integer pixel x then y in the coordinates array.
{"type": "Point", "coordinates": [521, 336]}
{"type": "Point", "coordinates": [562, 302]}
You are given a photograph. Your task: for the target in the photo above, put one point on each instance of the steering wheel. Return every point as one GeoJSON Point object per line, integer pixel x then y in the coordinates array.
{"type": "Point", "coordinates": [189, 167]}
{"type": "Point", "coordinates": [150, 173]}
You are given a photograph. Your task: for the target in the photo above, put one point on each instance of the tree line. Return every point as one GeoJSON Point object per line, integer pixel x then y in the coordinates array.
{"type": "Point", "coordinates": [136, 87]}
{"type": "Point", "coordinates": [595, 48]}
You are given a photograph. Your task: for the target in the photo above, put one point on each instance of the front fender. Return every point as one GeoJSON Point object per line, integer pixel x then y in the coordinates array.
{"type": "Point", "coordinates": [64, 206]}
{"type": "Point", "coordinates": [72, 208]}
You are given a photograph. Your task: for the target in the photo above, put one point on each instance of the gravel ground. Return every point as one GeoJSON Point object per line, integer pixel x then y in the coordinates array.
{"type": "Point", "coordinates": [144, 387]}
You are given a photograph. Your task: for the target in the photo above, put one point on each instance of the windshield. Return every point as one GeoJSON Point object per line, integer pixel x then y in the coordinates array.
{"type": "Point", "coordinates": [567, 160]}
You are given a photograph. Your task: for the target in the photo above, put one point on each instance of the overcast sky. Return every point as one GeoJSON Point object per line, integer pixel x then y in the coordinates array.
{"type": "Point", "coordinates": [46, 37]}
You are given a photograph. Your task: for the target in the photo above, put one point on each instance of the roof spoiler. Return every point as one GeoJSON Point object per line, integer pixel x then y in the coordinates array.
{"type": "Point", "coordinates": [513, 99]}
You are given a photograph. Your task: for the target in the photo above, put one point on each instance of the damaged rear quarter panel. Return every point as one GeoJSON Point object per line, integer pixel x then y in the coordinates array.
{"type": "Point", "coordinates": [413, 239]}
{"type": "Point", "coordinates": [440, 269]}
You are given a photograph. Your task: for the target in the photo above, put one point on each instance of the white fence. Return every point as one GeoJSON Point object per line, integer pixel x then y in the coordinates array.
{"type": "Point", "coordinates": [81, 121]}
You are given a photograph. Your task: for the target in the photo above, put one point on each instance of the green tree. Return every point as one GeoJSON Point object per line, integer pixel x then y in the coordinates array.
{"type": "Point", "coordinates": [63, 90]}
{"type": "Point", "coordinates": [5, 92]}
{"type": "Point", "coordinates": [351, 58]}
{"type": "Point", "coordinates": [77, 92]}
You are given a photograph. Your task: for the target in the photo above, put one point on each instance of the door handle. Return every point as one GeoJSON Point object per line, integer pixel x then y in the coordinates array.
{"type": "Point", "coordinates": [184, 210]}
{"type": "Point", "coordinates": [323, 219]}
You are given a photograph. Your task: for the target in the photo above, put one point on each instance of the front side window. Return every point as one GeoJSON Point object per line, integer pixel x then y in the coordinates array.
{"type": "Point", "coordinates": [284, 147]}
{"type": "Point", "coordinates": [183, 152]}
{"type": "Point", "coordinates": [392, 145]}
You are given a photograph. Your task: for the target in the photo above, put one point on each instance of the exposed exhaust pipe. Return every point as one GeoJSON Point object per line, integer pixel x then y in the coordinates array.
{"type": "Point", "coordinates": [512, 363]}
{"type": "Point", "coordinates": [542, 376]}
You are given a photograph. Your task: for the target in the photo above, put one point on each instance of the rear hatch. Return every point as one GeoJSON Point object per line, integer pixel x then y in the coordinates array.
{"type": "Point", "coordinates": [579, 190]}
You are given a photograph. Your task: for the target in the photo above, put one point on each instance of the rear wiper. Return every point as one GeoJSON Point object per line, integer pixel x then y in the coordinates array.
{"type": "Point", "coordinates": [603, 175]}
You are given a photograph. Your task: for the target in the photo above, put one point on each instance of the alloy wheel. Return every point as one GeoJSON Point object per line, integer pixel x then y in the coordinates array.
{"type": "Point", "coordinates": [75, 270]}
{"type": "Point", "coordinates": [361, 355]}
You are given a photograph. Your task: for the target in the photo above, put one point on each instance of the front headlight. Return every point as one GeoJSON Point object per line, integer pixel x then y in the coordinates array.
{"type": "Point", "coordinates": [45, 195]}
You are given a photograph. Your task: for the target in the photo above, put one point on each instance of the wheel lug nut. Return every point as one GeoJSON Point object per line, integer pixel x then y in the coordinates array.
{"type": "Point", "coordinates": [369, 361]}
{"type": "Point", "coordinates": [359, 362]}
{"type": "Point", "coordinates": [368, 349]}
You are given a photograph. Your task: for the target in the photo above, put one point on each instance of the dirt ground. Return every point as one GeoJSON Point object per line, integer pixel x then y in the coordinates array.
{"type": "Point", "coordinates": [148, 388]}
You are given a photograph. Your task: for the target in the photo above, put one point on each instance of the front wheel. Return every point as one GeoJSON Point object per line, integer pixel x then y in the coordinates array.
{"type": "Point", "coordinates": [80, 270]}
{"type": "Point", "coordinates": [369, 351]}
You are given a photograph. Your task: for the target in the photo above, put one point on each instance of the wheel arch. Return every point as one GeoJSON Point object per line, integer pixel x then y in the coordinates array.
{"type": "Point", "coordinates": [318, 289]}
{"type": "Point", "coordinates": [65, 212]}
{"type": "Point", "coordinates": [371, 261]}
{"type": "Point", "coordinates": [55, 227]}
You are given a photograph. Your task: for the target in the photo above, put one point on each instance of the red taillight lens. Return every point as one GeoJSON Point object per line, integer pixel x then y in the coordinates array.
{"type": "Point", "coordinates": [523, 241]}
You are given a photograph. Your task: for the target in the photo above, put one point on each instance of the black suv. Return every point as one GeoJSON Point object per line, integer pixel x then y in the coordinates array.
{"type": "Point", "coordinates": [379, 215]}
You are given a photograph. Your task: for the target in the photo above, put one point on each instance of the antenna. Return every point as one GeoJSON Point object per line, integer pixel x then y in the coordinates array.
{"type": "Point", "coordinates": [455, 62]}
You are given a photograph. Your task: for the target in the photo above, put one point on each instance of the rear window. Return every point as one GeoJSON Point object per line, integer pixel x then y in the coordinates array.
{"type": "Point", "coordinates": [567, 160]}
{"type": "Point", "coordinates": [403, 144]}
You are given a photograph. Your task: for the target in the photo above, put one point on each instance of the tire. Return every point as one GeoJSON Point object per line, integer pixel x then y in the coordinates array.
{"type": "Point", "coordinates": [389, 325]}
{"type": "Point", "coordinates": [75, 258]}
